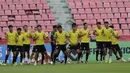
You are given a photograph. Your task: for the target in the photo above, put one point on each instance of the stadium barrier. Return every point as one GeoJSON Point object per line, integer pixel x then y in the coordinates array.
{"type": "Point", "coordinates": [125, 47]}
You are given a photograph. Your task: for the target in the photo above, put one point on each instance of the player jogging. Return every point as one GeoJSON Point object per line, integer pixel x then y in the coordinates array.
{"type": "Point", "coordinates": [61, 39]}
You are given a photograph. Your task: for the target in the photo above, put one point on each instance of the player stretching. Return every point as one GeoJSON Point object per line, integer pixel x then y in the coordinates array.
{"type": "Point", "coordinates": [99, 41]}
{"type": "Point", "coordinates": [61, 39]}
{"type": "Point", "coordinates": [107, 33]}
{"type": "Point", "coordinates": [39, 38]}
{"type": "Point", "coordinates": [115, 46]}
{"type": "Point", "coordinates": [85, 34]}
{"type": "Point", "coordinates": [74, 40]}
{"type": "Point", "coordinates": [19, 45]}
{"type": "Point", "coordinates": [53, 41]}
{"type": "Point", "coordinates": [11, 46]}
{"type": "Point", "coordinates": [26, 42]}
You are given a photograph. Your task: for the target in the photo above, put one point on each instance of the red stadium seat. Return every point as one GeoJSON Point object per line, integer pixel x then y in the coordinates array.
{"type": "Point", "coordinates": [81, 11]}
{"type": "Point", "coordinates": [18, 17]}
{"type": "Point", "coordinates": [36, 1]}
{"type": "Point", "coordinates": [45, 17]}
{"type": "Point", "coordinates": [97, 16]}
{"type": "Point", "coordinates": [19, 7]}
{"type": "Point", "coordinates": [122, 10]}
{"type": "Point", "coordinates": [5, 7]}
{"type": "Point", "coordinates": [21, 12]}
{"type": "Point", "coordinates": [104, 16]}
{"type": "Point", "coordinates": [47, 22]}
{"type": "Point", "coordinates": [38, 17]}
{"type": "Point", "coordinates": [124, 15]}
{"type": "Point", "coordinates": [16, 1]}
{"type": "Point", "coordinates": [93, 21]}
{"type": "Point", "coordinates": [7, 12]}
{"type": "Point", "coordinates": [32, 23]}
{"type": "Point", "coordinates": [108, 20]}
{"type": "Point", "coordinates": [76, 16]}
{"type": "Point", "coordinates": [116, 15]}
{"type": "Point", "coordinates": [1, 12]}
{"type": "Point", "coordinates": [110, 15]}
{"type": "Point", "coordinates": [32, 6]}
{"type": "Point", "coordinates": [92, 5]}
{"type": "Point", "coordinates": [71, 5]}
{"type": "Point", "coordinates": [41, 22]}
{"type": "Point", "coordinates": [122, 21]}
{"type": "Point", "coordinates": [86, 5]}
{"type": "Point", "coordinates": [127, 4]}
{"type": "Point", "coordinates": [115, 10]}
{"type": "Point", "coordinates": [126, 32]}
{"type": "Point", "coordinates": [100, 20]}
{"type": "Point", "coordinates": [95, 10]}
{"type": "Point", "coordinates": [26, 7]}
{"type": "Point", "coordinates": [23, 1]}
{"type": "Point", "coordinates": [78, 5]}
{"type": "Point", "coordinates": [101, 10]}
{"type": "Point", "coordinates": [116, 26]}
{"type": "Point", "coordinates": [12, 7]}
{"type": "Point", "coordinates": [9, 1]}
{"type": "Point", "coordinates": [114, 21]}
{"type": "Point", "coordinates": [3, 24]}
{"type": "Point", "coordinates": [43, 1]}
{"type": "Point", "coordinates": [79, 22]}
{"type": "Point", "coordinates": [124, 26]}
{"type": "Point", "coordinates": [10, 22]}
{"type": "Point", "coordinates": [128, 20]}
{"type": "Point", "coordinates": [46, 6]}
{"type": "Point", "coordinates": [18, 23]}
{"type": "Point", "coordinates": [5, 29]}
{"type": "Point", "coordinates": [106, 5]}
{"type": "Point", "coordinates": [120, 32]}
{"type": "Point", "coordinates": [83, 16]}
{"type": "Point", "coordinates": [108, 10]}
{"type": "Point", "coordinates": [25, 23]}
{"type": "Point", "coordinates": [127, 9]}
{"type": "Point", "coordinates": [99, 5]}
{"type": "Point", "coordinates": [120, 4]}
{"type": "Point", "coordinates": [29, 1]}
{"type": "Point", "coordinates": [4, 18]}
{"type": "Point", "coordinates": [31, 17]}
{"type": "Point", "coordinates": [128, 15]}
{"type": "Point", "coordinates": [74, 11]}
{"type": "Point", "coordinates": [53, 22]}
{"type": "Point", "coordinates": [90, 16]}
{"type": "Point", "coordinates": [39, 6]}
{"type": "Point", "coordinates": [88, 11]}
{"type": "Point", "coordinates": [24, 17]}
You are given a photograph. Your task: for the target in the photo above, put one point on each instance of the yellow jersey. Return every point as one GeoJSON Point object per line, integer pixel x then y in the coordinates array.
{"type": "Point", "coordinates": [107, 33]}
{"type": "Point", "coordinates": [27, 35]}
{"type": "Point", "coordinates": [19, 40]}
{"type": "Point", "coordinates": [85, 37]}
{"type": "Point", "coordinates": [40, 37]}
{"type": "Point", "coordinates": [61, 38]}
{"type": "Point", "coordinates": [74, 37]}
{"type": "Point", "coordinates": [114, 39]}
{"type": "Point", "coordinates": [99, 37]}
{"type": "Point", "coordinates": [11, 37]}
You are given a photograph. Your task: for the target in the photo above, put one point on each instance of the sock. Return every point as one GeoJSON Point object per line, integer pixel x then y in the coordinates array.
{"type": "Point", "coordinates": [6, 57]}
{"type": "Point", "coordinates": [101, 55]}
{"type": "Point", "coordinates": [42, 58]}
{"type": "Point", "coordinates": [65, 59]}
{"type": "Point", "coordinates": [87, 55]}
{"type": "Point", "coordinates": [21, 58]}
{"type": "Point", "coordinates": [13, 59]}
{"type": "Point", "coordinates": [79, 55]}
{"type": "Point", "coordinates": [97, 53]}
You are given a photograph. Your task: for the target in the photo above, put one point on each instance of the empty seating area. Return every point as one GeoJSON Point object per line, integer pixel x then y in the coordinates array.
{"type": "Point", "coordinates": [25, 12]}
{"type": "Point", "coordinates": [116, 12]}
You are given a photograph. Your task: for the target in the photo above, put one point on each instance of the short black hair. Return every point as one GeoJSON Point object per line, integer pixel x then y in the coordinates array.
{"type": "Point", "coordinates": [25, 26]}
{"type": "Point", "coordinates": [10, 26]}
{"type": "Point", "coordinates": [98, 23]}
{"type": "Point", "coordinates": [59, 26]}
{"type": "Point", "coordinates": [19, 29]}
{"type": "Point", "coordinates": [55, 26]}
{"type": "Point", "coordinates": [39, 26]}
{"type": "Point", "coordinates": [106, 22]}
{"type": "Point", "coordinates": [74, 25]}
{"type": "Point", "coordinates": [84, 24]}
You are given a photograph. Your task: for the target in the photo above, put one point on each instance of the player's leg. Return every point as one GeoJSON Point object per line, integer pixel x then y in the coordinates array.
{"type": "Point", "coordinates": [15, 57]}
{"type": "Point", "coordinates": [115, 51]}
{"type": "Point", "coordinates": [56, 53]}
{"type": "Point", "coordinates": [87, 51]}
{"type": "Point", "coordinates": [22, 53]}
{"type": "Point", "coordinates": [27, 50]}
{"type": "Point", "coordinates": [120, 52]}
{"type": "Point", "coordinates": [14, 54]}
{"type": "Point", "coordinates": [97, 51]}
{"type": "Point", "coordinates": [36, 54]}
{"type": "Point", "coordinates": [8, 53]}
{"type": "Point", "coordinates": [109, 45]}
{"type": "Point", "coordinates": [43, 53]}
{"type": "Point", "coordinates": [79, 51]}
{"type": "Point", "coordinates": [53, 49]}
{"type": "Point", "coordinates": [63, 48]}
{"type": "Point", "coordinates": [102, 51]}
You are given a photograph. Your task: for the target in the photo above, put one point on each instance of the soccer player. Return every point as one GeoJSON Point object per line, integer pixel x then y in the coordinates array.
{"type": "Point", "coordinates": [99, 41]}
{"type": "Point", "coordinates": [26, 43]}
{"type": "Point", "coordinates": [115, 46]}
{"type": "Point", "coordinates": [53, 41]}
{"type": "Point", "coordinates": [107, 33]}
{"type": "Point", "coordinates": [39, 38]}
{"type": "Point", "coordinates": [61, 41]}
{"type": "Point", "coordinates": [11, 45]}
{"type": "Point", "coordinates": [74, 36]}
{"type": "Point", "coordinates": [85, 34]}
{"type": "Point", "coordinates": [19, 45]}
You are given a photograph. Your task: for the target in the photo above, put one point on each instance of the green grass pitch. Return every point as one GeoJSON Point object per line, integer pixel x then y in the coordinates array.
{"type": "Point", "coordinates": [69, 68]}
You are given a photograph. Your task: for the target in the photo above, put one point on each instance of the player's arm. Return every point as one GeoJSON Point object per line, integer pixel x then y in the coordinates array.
{"type": "Point", "coordinates": [116, 35]}
{"type": "Point", "coordinates": [103, 32]}
{"type": "Point", "coordinates": [95, 33]}
{"type": "Point", "coordinates": [35, 37]}
{"type": "Point", "coordinates": [6, 36]}
{"type": "Point", "coordinates": [46, 37]}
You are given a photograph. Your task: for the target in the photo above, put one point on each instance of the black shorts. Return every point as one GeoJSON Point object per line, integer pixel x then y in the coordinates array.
{"type": "Point", "coordinates": [40, 48]}
{"type": "Point", "coordinates": [116, 47]}
{"type": "Point", "coordinates": [19, 48]}
{"type": "Point", "coordinates": [99, 45]}
{"type": "Point", "coordinates": [85, 46]}
{"type": "Point", "coordinates": [34, 49]}
{"type": "Point", "coordinates": [11, 48]}
{"type": "Point", "coordinates": [26, 47]}
{"type": "Point", "coordinates": [75, 47]}
{"type": "Point", "coordinates": [53, 46]}
{"type": "Point", "coordinates": [107, 45]}
{"type": "Point", "coordinates": [61, 47]}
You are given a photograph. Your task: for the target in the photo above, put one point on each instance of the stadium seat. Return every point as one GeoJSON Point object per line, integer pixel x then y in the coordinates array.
{"type": "Point", "coordinates": [90, 16]}
{"type": "Point", "coordinates": [110, 15]}
{"type": "Point", "coordinates": [126, 4]}
{"type": "Point", "coordinates": [18, 18]}
{"type": "Point", "coordinates": [120, 32]}
{"type": "Point", "coordinates": [24, 17]}
{"type": "Point", "coordinates": [38, 17]}
{"type": "Point", "coordinates": [120, 4]}
{"type": "Point", "coordinates": [116, 26]}
{"type": "Point", "coordinates": [5, 7]}
{"type": "Point", "coordinates": [79, 22]}
{"type": "Point", "coordinates": [78, 5]}
{"type": "Point", "coordinates": [124, 26]}
{"type": "Point", "coordinates": [45, 17]}
{"type": "Point", "coordinates": [7, 12]}
{"type": "Point", "coordinates": [126, 32]}
{"type": "Point", "coordinates": [21, 12]}
{"type": "Point", "coordinates": [10, 22]}
{"type": "Point", "coordinates": [25, 6]}
{"type": "Point", "coordinates": [101, 10]}
{"type": "Point", "coordinates": [39, 6]}
{"type": "Point", "coordinates": [32, 23]}
{"type": "Point", "coordinates": [51, 17]}
{"type": "Point", "coordinates": [124, 15]}
{"type": "Point", "coordinates": [43, 1]}
{"type": "Point", "coordinates": [92, 5]}
{"type": "Point", "coordinates": [76, 16]}
{"type": "Point", "coordinates": [4, 18]}
{"type": "Point", "coordinates": [86, 5]}
{"type": "Point", "coordinates": [93, 22]}
{"type": "Point", "coordinates": [114, 21]}
{"type": "Point", "coordinates": [100, 20]}
{"type": "Point", "coordinates": [16, 2]}
{"type": "Point", "coordinates": [9, 1]}
{"type": "Point", "coordinates": [88, 11]}
{"type": "Point", "coordinates": [127, 9]}
{"type": "Point", "coordinates": [29, 1]}
{"type": "Point", "coordinates": [31, 17]}
{"type": "Point", "coordinates": [99, 5]}
{"type": "Point", "coordinates": [115, 10]}
{"type": "Point", "coordinates": [106, 4]}
{"type": "Point", "coordinates": [14, 12]}
{"type": "Point", "coordinates": [3, 24]}
{"type": "Point", "coordinates": [97, 16]}
{"type": "Point", "coordinates": [108, 20]}
{"type": "Point", "coordinates": [1, 12]}
{"type": "Point", "coordinates": [104, 15]}
{"type": "Point", "coordinates": [23, 2]}
{"type": "Point", "coordinates": [116, 15]}
{"type": "Point", "coordinates": [5, 29]}
{"type": "Point", "coordinates": [19, 7]}
{"type": "Point", "coordinates": [18, 23]}
{"type": "Point", "coordinates": [25, 23]}
{"type": "Point", "coordinates": [32, 6]}
{"type": "Point", "coordinates": [122, 21]}
{"type": "Point", "coordinates": [128, 20]}
{"type": "Point", "coordinates": [81, 11]}
{"type": "Point", "coordinates": [41, 22]}
{"type": "Point", "coordinates": [122, 10]}
{"type": "Point", "coordinates": [37, 1]}
{"type": "Point", "coordinates": [46, 6]}
{"type": "Point", "coordinates": [12, 7]}
{"type": "Point", "coordinates": [95, 10]}
{"type": "Point", "coordinates": [74, 11]}
{"type": "Point", "coordinates": [108, 10]}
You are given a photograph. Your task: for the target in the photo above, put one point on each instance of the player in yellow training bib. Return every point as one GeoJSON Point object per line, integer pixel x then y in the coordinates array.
{"type": "Point", "coordinates": [61, 41]}
{"type": "Point", "coordinates": [11, 43]}
{"type": "Point", "coordinates": [115, 46]}
{"type": "Point", "coordinates": [85, 35]}
{"type": "Point", "coordinates": [99, 41]}
{"type": "Point", "coordinates": [107, 34]}
{"type": "Point", "coordinates": [26, 43]}
{"type": "Point", "coordinates": [74, 35]}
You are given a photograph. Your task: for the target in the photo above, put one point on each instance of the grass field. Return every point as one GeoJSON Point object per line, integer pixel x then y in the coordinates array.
{"type": "Point", "coordinates": [69, 68]}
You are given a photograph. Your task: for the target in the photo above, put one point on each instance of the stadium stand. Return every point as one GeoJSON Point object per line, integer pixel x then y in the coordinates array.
{"type": "Point", "coordinates": [25, 12]}
{"type": "Point", "coordinates": [114, 11]}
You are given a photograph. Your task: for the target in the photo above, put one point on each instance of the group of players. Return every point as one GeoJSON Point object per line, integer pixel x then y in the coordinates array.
{"type": "Point", "coordinates": [76, 39]}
